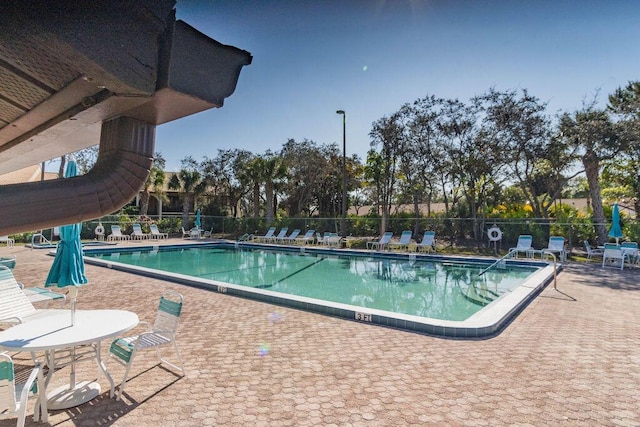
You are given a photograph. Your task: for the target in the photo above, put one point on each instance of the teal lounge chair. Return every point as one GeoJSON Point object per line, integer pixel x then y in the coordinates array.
{"type": "Point", "coordinates": [382, 243]}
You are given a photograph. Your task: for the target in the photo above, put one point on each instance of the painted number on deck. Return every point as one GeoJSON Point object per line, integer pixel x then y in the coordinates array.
{"type": "Point", "coordinates": [222, 289]}
{"type": "Point", "coordinates": [363, 317]}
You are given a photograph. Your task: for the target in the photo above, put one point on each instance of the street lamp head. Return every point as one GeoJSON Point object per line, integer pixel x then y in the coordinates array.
{"type": "Point", "coordinates": [340, 112]}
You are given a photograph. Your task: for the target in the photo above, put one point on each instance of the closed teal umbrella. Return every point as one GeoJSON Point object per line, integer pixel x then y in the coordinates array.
{"type": "Point", "coordinates": [68, 265]}
{"type": "Point", "coordinates": [198, 223]}
{"type": "Point", "coordinates": [616, 231]}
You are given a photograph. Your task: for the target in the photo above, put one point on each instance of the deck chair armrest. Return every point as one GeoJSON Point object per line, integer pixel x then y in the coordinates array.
{"type": "Point", "coordinates": [143, 325]}
{"type": "Point", "coordinates": [29, 384]}
{"type": "Point", "coordinates": [14, 319]}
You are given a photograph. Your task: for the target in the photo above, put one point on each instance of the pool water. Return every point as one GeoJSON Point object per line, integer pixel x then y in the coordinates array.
{"type": "Point", "coordinates": [416, 286]}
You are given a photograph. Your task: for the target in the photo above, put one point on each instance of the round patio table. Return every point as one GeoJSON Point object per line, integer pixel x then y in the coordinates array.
{"type": "Point", "coordinates": [54, 333]}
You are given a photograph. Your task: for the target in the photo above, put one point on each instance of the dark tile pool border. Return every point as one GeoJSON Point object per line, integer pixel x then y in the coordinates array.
{"type": "Point", "coordinates": [487, 322]}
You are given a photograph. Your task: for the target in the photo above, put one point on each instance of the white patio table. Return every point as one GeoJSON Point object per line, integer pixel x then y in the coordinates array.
{"type": "Point", "coordinates": [54, 333]}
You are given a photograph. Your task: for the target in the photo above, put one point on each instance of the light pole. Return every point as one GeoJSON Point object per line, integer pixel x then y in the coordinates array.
{"type": "Point", "coordinates": [343, 223]}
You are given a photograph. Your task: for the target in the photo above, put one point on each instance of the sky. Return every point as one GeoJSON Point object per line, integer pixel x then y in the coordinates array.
{"type": "Point", "coordinates": [368, 58]}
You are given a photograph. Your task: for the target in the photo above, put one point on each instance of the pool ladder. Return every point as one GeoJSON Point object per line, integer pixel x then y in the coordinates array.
{"type": "Point", "coordinates": [41, 240]}
{"type": "Point", "coordinates": [501, 260]}
{"type": "Point", "coordinates": [555, 265]}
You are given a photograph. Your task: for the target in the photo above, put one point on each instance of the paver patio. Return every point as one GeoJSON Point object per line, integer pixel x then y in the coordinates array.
{"type": "Point", "coordinates": [572, 357]}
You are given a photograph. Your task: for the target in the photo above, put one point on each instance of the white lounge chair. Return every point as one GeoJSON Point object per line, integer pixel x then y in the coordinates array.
{"type": "Point", "coordinates": [116, 234]}
{"type": "Point", "coordinates": [156, 234]}
{"type": "Point", "coordinates": [8, 240]}
{"type": "Point", "coordinates": [556, 246]}
{"type": "Point", "coordinates": [44, 295]}
{"type": "Point", "coordinates": [268, 235]}
{"type": "Point", "coordinates": [307, 238]}
{"type": "Point", "coordinates": [14, 395]}
{"type": "Point", "coordinates": [291, 238]}
{"type": "Point", "coordinates": [15, 304]}
{"type": "Point", "coordinates": [523, 246]}
{"type": "Point", "coordinates": [612, 255]}
{"type": "Point", "coordinates": [382, 243]}
{"type": "Point", "coordinates": [137, 233]}
{"type": "Point", "coordinates": [591, 252]}
{"type": "Point", "coordinates": [403, 243]}
{"type": "Point", "coordinates": [245, 237]}
{"type": "Point", "coordinates": [428, 242]}
{"type": "Point", "coordinates": [162, 334]}
{"type": "Point", "coordinates": [281, 234]}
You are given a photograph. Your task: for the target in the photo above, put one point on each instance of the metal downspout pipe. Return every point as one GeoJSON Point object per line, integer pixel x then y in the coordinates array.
{"type": "Point", "coordinates": [123, 165]}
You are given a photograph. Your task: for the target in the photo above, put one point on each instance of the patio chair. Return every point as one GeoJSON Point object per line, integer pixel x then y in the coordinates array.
{"type": "Point", "coordinates": [612, 255]}
{"type": "Point", "coordinates": [307, 238]}
{"type": "Point", "coordinates": [15, 304]}
{"type": "Point", "coordinates": [162, 334]}
{"type": "Point", "coordinates": [326, 237]}
{"type": "Point", "coordinates": [8, 261]}
{"type": "Point", "coordinates": [186, 234]}
{"type": "Point", "coordinates": [333, 240]}
{"type": "Point", "coordinates": [116, 234]}
{"type": "Point", "coordinates": [405, 239]}
{"type": "Point", "coordinates": [281, 234]}
{"type": "Point", "coordinates": [8, 240]}
{"type": "Point", "coordinates": [630, 252]}
{"type": "Point", "coordinates": [137, 233]}
{"type": "Point", "coordinates": [591, 252]}
{"type": "Point", "coordinates": [291, 237]}
{"type": "Point", "coordinates": [155, 233]}
{"type": "Point", "coordinates": [556, 246]}
{"type": "Point", "coordinates": [428, 243]}
{"type": "Point", "coordinates": [523, 246]}
{"type": "Point", "coordinates": [267, 235]}
{"type": "Point", "coordinates": [14, 395]}
{"type": "Point", "coordinates": [207, 233]}
{"type": "Point", "coordinates": [382, 243]}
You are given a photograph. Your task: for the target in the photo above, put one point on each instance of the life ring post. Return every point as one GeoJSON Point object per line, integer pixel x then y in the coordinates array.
{"type": "Point", "coordinates": [99, 231]}
{"type": "Point", "coordinates": [494, 234]}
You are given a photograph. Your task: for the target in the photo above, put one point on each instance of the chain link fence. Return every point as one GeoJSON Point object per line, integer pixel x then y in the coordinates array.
{"type": "Point", "coordinates": [461, 234]}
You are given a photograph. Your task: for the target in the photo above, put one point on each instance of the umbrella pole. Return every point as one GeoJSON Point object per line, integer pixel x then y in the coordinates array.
{"type": "Point", "coordinates": [73, 294]}
{"type": "Point", "coordinates": [72, 376]}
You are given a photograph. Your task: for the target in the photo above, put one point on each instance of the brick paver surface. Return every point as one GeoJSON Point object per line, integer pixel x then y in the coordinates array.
{"type": "Point", "coordinates": [571, 357]}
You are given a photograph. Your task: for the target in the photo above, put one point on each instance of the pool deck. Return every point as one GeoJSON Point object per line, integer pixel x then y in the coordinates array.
{"type": "Point", "coordinates": [570, 357]}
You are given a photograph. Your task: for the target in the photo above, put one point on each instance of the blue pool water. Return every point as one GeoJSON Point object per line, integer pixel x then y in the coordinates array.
{"type": "Point", "coordinates": [421, 286]}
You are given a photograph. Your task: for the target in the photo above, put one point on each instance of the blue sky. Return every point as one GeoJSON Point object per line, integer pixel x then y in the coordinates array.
{"type": "Point", "coordinates": [311, 58]}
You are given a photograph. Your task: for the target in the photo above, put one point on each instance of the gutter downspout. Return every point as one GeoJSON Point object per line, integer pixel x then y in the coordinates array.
{"type": "Point", "coordinates": [123, 165]}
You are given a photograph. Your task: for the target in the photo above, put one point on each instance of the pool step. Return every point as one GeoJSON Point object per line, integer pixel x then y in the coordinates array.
{"type": "Point", "coordinates": [479, 296]}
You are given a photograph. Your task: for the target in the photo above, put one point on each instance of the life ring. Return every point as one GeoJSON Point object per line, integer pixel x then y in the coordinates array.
{"type": "Point", "coordinates": [494, 234]}
{"type": "Point", "coordinates": [99, 230]}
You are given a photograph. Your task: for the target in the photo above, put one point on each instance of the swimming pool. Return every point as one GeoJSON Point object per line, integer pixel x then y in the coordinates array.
{"type": "Point", "coordinates": [430, 294]}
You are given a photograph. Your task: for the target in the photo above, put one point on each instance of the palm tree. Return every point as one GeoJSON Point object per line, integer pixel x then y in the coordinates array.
{"type": "Point", "coordinates": [155, 180]}
{"type": "Point", "coordinates": [273, 171]}
{"type": "Point", "coordinates": [252, 174]}
{"type": "Point", "coordinates": [190, 184]}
